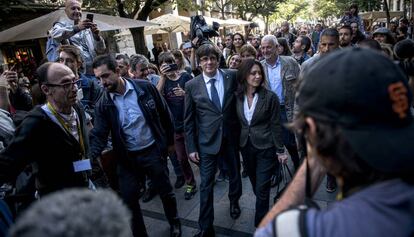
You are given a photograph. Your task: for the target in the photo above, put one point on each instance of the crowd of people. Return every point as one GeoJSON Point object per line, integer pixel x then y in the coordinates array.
{"type": "Point", "coordinates": [334, 101]}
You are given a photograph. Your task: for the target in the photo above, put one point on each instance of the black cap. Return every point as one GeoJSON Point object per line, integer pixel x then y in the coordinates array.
{"type": "Point", "coordinates": [367, 95]}
{"type": "Point", "coordinates": [404, 49]}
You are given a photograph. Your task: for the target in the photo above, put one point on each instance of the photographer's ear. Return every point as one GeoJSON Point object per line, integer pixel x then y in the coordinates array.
{"type": "Point", "coordinates": [310, 129]}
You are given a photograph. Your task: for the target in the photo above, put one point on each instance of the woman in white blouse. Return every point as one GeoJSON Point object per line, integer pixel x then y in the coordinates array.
{"type": "Point", "coordinates": [261, 132]}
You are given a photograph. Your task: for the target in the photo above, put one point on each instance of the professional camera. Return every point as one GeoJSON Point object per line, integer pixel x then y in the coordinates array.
{"type": "Point", "coordinates": [200, 29]}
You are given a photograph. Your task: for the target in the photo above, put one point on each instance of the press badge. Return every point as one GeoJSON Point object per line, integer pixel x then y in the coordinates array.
{"type": "Point", "coordinates": [82, 165]}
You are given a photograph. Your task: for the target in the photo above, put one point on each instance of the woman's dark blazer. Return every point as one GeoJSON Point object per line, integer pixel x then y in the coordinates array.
{"type": "Point", "coordinates": [265, 130]}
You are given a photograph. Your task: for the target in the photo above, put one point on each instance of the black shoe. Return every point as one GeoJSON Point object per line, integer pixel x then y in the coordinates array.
{"type": "Point", "coordinates": [141, 192]}
{"type": "Point", "coordinates": [244, 173]}
{"type": "Point", "coordinates": [203, 233]}
{"type": "Point", "coordinates": [331, 185]}
{"type": "Point", "coordinates": [179, 182]}
{"type": "Point", "coordinates": [149, 195]}
{"type": "Point", "coordinates": [235, 210]}
{"type": "Point", "coordinates": [175, 229]}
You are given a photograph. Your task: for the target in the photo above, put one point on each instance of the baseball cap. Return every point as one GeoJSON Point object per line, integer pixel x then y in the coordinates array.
{"type": "Point", "coordinates": [382, 31]}
{"type": "Point", "coordinates": [368, 96]}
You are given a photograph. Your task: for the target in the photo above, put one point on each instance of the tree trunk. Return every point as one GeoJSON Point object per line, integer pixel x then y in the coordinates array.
{"type": "Point", "coordinates": [266, 18]}
{"type": "Point", "coordinates": [387, 11]}
{"type": "Point", "coordinates": [139, 40]}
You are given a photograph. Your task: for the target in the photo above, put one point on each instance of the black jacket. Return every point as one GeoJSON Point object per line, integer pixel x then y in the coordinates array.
{"type": "Point", "coordinates": [154, 109]}
{"type": "Point", "coordinates": [44, 143]}
{"type": "Point", "coordinates": [265, 130]}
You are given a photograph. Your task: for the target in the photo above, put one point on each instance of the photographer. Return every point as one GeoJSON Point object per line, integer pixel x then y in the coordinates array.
{"type": "Point", "coordinates": [171, 86]}
{"type": "Point", "coordinates": [359, 128]}
{"type": "Point", "coordinates": [82, 33]}
{"type": "Point", "coordinates": [200, 35]}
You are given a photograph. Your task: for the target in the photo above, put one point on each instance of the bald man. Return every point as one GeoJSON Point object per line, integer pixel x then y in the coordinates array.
{"type": "Point", "coordinates": [53, 136]}
{"type": "Point", "coordinates": [82, 33]}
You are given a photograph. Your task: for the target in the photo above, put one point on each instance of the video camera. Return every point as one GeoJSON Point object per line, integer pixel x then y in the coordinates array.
{"type": "Point", "coordinates": [200, 29]}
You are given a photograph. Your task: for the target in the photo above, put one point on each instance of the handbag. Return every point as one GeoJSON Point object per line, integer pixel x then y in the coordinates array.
{"type": "Point", "coordinates": [285, 174]}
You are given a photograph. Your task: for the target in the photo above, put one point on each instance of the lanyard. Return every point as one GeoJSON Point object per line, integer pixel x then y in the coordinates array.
{"type": "Point", "coordinates": [66, 127]}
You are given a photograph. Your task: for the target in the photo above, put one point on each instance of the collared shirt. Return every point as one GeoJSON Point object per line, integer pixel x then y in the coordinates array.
{"type": "Point", "coordinates": [72, 120]}
{"type": "Point", "coordinates": [219, 84]}
{"type": "Point", "coordinates": [137, 133]}
{"type": "Point", "coordinates": [248, 112]}
{"type": "Point", "coordinates": [275, 79]}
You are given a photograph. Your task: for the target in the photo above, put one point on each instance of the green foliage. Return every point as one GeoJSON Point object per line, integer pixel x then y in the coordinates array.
{"type": "Point", "coordinates": [326, 8]}
{"type": "Point", "coordinates": [248, 9]}
{"type": "Point", "coordinates": [291, 10]}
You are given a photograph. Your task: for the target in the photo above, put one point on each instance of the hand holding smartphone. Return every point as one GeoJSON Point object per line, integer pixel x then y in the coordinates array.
{"type": "Point", "coordinates": [89, 16]}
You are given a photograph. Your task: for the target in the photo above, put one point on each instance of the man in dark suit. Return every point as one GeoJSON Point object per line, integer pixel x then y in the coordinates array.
{"type": "Point", "coordinates": [212, 131]}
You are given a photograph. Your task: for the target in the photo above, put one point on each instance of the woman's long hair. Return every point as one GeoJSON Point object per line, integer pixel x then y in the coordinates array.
{"type": "Point", "coordinates": [242, 74]}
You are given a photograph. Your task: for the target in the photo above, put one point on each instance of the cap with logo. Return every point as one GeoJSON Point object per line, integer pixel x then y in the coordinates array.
{"type": "Point", "coordinates": [368, 96]}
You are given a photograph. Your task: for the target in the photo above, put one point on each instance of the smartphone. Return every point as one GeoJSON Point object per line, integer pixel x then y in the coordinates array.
{"type": "Point", "coordinates": [187, 45]}
{"type": "Point", "coordinates": [89, 17]}
{"type": "Point", "coordinates": [173, 67]}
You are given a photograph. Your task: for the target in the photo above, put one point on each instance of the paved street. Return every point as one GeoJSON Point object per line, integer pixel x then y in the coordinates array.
{"type": "Point", "coordinates": [188, 210]}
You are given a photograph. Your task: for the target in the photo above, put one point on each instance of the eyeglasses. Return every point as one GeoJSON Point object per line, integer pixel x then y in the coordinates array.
{"type": "Point", "coordinates": [66, 85]}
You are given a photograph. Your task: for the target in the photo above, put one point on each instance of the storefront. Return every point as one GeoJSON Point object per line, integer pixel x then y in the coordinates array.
{"type": "Point", "coordinates": [23, 57]}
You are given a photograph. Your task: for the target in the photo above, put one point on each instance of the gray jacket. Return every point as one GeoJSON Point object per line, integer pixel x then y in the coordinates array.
{"type": "Point", "coordinates": [289, 73]}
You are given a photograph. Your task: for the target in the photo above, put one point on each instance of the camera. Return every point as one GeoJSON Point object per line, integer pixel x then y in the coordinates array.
{"type": "Point", "coordinates": [173, 67]}
{"type": "Point", "coordinates": [200, 29]}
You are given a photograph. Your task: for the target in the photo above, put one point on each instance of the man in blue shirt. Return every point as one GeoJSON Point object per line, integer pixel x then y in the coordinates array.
{"type": "Point", "coordinates": [142, 135]}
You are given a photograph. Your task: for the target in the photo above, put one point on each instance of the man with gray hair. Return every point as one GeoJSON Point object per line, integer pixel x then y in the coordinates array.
{"type": "Point", "coordinates": [282, 73]}
{"type": "Point", "coordinates": [75, 213]}
{"type": "Point", "coordinates": [123, 65]}
{"type": "Point", "coordinates": [84, 34]}
{"type": "Point", "coordinates": [139, 69]}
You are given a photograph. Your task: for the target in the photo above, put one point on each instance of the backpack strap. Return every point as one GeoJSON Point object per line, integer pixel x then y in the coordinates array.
{"type": "Point", "coordinates": [291, 223]}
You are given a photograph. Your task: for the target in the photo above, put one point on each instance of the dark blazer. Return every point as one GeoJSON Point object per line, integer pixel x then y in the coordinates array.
{"type": "Point", "coordinates": [265, 130]}
{"type": "Point", "coordinates": [41, 141]}
{"type": "Point", "coordinates": [154, 109]}
{"type": "Point", "coordinates": [204, 124]}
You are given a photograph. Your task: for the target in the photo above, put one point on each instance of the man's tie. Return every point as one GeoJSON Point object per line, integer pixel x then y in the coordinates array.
{"type": "Point", "coordinates": [214, 94]}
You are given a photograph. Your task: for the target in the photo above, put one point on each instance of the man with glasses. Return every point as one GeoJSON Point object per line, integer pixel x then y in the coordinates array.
{"type": "Point", "coordinates": [212, 131]}
{"type": "Point", "coordinates": [139, 69]}
{"type": "Point", "coordinates": [53, 136]}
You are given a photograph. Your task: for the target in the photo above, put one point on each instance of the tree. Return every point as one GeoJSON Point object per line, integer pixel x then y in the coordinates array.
{"type": "Point", "coordinates": [249, 9]}
{"type": "Point", "coordinates": [222, 5]}
{"type": "Point", "coordinates": [291, 10]}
